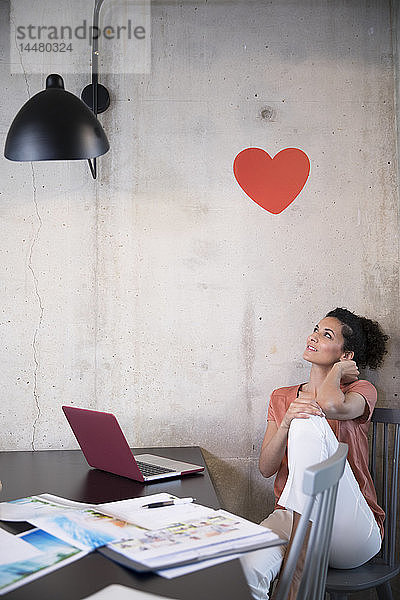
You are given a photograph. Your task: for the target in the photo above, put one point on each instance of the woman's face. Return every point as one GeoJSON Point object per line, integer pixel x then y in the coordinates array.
{"type": "Point", "coordinates": [325, 344]}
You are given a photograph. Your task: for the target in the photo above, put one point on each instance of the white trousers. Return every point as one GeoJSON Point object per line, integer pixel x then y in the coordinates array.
{"type": "Point", "coordinates": [355, 535]}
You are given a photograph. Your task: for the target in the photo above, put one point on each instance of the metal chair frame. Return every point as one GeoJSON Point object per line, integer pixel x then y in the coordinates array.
{"type": "Point", "coordinates": [377, 572]}
{"type": "Point", "coordinates": [320, 481]}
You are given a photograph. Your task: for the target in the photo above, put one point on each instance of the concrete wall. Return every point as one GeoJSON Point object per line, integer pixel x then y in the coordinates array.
{"type": "Point", "coordinates": [161, 292]}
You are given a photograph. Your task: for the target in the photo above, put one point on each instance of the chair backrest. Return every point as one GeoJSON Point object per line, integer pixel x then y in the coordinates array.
{"type": "Point", "coordinates": [320, 481]}
{"type": "Point", "coordinates": [384, 465]}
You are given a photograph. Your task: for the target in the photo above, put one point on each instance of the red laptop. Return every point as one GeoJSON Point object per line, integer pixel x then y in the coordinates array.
{"type": "Point", "coordinates": [105, 447]}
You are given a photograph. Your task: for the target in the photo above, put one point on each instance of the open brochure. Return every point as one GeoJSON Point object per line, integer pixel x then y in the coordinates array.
{"type": "Point", "coordinates": [127, 532]}
{"type": "Point", "coordinates": [216, 533]}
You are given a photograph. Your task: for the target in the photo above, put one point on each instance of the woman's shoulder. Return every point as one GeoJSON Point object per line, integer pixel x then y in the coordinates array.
{"type": "Point", "coordinates": [361, 386]}
{"type": "Point", "coordinates": [285, 391]}
{"type": "Point", "coordinates": [280, 400]}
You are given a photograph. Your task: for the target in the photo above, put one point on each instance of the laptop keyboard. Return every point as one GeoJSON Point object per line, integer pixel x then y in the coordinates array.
{"type": "Point", "coordinates": [147, 469]}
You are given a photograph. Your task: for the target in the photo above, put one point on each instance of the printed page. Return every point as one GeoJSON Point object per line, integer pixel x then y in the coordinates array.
{"type": "Point", "coordinates": [121, 592]}
{"type": "Point", "coordinates": [133, 510]}
{"type": "Point", "coordinates": [218, 531]}
{"type": "Point", "coordinates": [51, 554]}
{"type": "Point", "coordinates": [124, 509]}
{"type": "Point", "coordinates": [87, 529]}
{"type": "Point", "coordinates": [173, 572]}
{"type": "Point", "coordinates": [212, 550]}
{"type": "Point", "coordinates": [158, 518]}
{"type": "Point", "coordinates": [13, 548]}
{"type": "Point", "coordinates": [24, 509]}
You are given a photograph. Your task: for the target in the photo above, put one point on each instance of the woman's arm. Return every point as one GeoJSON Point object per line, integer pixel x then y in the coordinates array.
{"type": "Point", "coordinates": [275, 439]}
{"type": "Point", "coordinates": [272, 449]}
{"type": "Point", "coordinates": [336, 404]}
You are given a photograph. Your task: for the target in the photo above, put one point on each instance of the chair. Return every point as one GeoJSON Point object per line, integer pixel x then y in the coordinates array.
{"type": "Point", "coordinates": [377, 572]}
{"type": "Point", "coordinates": [320, 481]}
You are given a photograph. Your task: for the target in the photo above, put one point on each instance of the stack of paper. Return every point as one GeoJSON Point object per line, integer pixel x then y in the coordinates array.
{"type": "Point", "coordinates": [128, 532]}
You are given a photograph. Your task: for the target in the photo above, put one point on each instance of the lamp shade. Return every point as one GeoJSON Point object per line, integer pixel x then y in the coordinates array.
{"type": "Point", "coordinates": [55, 125]}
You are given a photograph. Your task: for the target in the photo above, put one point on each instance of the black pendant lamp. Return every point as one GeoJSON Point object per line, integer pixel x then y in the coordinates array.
{"type": "Point", "coordinates": [55, 125]}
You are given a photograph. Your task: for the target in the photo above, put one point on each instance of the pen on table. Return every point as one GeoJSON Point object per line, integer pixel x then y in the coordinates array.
{"type": "Point", "coordinates": [169, 503]}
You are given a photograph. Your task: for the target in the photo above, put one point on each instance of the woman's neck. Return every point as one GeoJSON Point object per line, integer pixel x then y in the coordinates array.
{"type": "Point", "coordinates": [318, 374]}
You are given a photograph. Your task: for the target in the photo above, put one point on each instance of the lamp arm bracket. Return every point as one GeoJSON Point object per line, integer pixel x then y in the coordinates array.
{"type": "Point", "coordinates": [94, 95]}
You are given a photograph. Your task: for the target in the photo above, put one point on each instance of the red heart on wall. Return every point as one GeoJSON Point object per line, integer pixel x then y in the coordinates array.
{"type": "Point", "coordinates": [273, 183]}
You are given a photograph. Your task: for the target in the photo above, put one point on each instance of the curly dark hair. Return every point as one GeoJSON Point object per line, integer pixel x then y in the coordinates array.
{"type": "Point", "coordinates": [362, 336]}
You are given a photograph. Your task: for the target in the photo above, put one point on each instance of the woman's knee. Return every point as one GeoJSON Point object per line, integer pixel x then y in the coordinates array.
{"type": "Point", "coordinates": [310, 441]}
{"type": "Point", "coordinates": [314, 426]}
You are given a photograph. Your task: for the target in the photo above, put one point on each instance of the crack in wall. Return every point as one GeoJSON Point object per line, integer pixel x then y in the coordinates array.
{"type": "Point", "coordinates": [39, 299]}
{"type": "Point", "coordinates": [30, 267]}
{"type": "Point", "coordinates": [20, 55]}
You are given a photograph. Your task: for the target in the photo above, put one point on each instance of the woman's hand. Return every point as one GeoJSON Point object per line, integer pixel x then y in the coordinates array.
{"type": "Point", "coordinates": [302, 407]}
{"type": "Point", "coordinates": [348, 370]}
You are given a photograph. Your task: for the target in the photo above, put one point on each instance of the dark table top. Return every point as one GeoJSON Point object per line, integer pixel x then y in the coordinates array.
{"type": "Point", "coordinates": [65, 473]}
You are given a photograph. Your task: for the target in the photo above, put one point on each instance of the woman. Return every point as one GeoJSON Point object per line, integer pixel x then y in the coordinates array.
{"type": "Point", "coordinates": [305, 424]}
